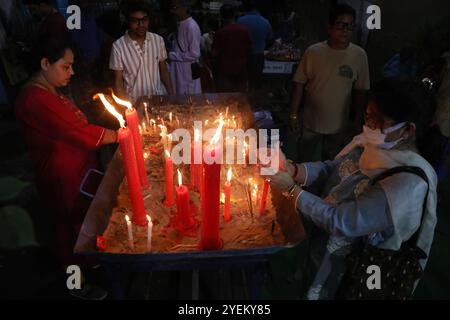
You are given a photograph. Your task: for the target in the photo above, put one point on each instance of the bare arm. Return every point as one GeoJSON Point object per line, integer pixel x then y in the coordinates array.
{"type": "Point", "coordinates": [119, 87]}
{"type": "Point", "coordinates": [165, 76]}
{"type": "Point", "coordinates": [296, 100]}
{"type": "Point", "coordinates": [109, 137]}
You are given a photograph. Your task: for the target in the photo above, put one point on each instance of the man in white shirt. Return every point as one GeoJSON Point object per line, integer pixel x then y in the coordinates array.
{"type": "Point", "coordinates": [331, 82]}
{"type": "Point", "coordinates": [139, 58]}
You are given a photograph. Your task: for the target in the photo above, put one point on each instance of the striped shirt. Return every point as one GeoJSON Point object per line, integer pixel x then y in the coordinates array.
{"type": "Point", "coordinates": [140, 65]}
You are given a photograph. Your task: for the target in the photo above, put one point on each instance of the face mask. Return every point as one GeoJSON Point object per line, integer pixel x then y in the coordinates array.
{"type": "Point", "coordinates": [376, 137]}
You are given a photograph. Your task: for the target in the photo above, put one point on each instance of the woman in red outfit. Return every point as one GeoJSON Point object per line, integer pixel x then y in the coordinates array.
{"type": "Point", "coordinates": [63, 145]}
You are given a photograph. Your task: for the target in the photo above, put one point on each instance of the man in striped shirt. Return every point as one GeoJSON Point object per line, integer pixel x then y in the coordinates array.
{"type": "Point", "coordinates": [139, 58]}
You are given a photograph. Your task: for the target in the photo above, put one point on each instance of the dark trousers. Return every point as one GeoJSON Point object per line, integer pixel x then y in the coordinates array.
{"type": "Point", "coordinates": [231, 83]}
{"type": "Point", "coordinates": [255, 70]}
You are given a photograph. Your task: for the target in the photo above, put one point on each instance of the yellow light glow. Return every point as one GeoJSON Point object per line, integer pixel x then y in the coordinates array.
{"type": "Point", "coordinates": [180, 178]}
{"type": "Point", "coordinates": [229, 175]}
{"type": "Point", "coordinates": [124, 103]}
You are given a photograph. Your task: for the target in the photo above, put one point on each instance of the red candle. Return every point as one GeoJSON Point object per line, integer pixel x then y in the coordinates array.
{"type": "Point", "coordinates": [262, 208]}
{"type": "Point", "coordinates": [227, 191]}
{"type": "Point", "coordinates": [210, 239]}
{"type": "Point", "coordinates": [133, 123]}
{"type": "Point", "coordinates": [169, 181]}
{"type": "Point", "coordinates": [184, 215]}
{"type": "Point", "coordinates": [131, 172]}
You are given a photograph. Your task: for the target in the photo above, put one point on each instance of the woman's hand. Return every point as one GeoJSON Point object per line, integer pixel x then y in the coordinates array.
{"type": "Point", "coordinates": [281, 180]}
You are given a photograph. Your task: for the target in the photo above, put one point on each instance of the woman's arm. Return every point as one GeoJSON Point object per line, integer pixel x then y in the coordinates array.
{"type": "Point", "coordinates": [310, 172]}
{"type": "Point", "coordinates": [368, 214]}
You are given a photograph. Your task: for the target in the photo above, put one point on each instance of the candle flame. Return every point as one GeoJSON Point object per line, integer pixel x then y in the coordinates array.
{"type": "Point", "coordinates": [170, 116]}
{"type": "Point", "coordinates": [127, 218]}
{"type": "Point", "coordinates": [229, 175]}
{"type": "Point", "coordinates": [110, 108]}
{"type": "Point", "coordinates": [222, 197]}
{"type": "Point", "coordinates": [180, 179]}
{"type": "Point", "coordinates": [163, 129]}
{"type": "Point", "coordinates": [145, 155]}
{"type": "Point", "coordinates": [216, 137]}
{"type": "Point", "coordinates": [167, 153]}
{"type": "Point", "coordinates": [145, 105]}
{"type": "Point", "coordinates": [149, 219]}
{"type": "Point", "coordinates": [206, 122]}
{"type": "Point", "coordinates": [124, 103]}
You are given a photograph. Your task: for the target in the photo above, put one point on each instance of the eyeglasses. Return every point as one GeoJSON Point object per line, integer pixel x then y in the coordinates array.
{"type": "Point", "coordinates": [340, 25]}
{"type": "Point", "coordinates": [138, 21]}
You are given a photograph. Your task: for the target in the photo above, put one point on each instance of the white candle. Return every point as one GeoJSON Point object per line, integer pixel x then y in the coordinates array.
{"type": "Point", "coordinates": [146, 113]}
{"type": "Point", "coordinates": [256, 194]}
{"type": "Point", "coordinates": [149, 233]}
{"type": "Point", "coordinates": [153, 122]}
{"type": "Point", "coordinates": [169, 142]}
{"type": "Point", "coordinates": [130, 232]}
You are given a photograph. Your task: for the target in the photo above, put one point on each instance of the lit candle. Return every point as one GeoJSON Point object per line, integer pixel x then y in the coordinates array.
{"type": "Point", "coordinates": [133, 123]}
{"type": "Point", "coordinates": [146, 113]}
{"type": "Point", "coordinates": [153, 123]}
{"type": "Point", "coordinates": [262, 208]}
{"type": "Point", "coordinates": [149, 233]}
{"type": "Point", "coordinates": [170, 118]}
{"type": "Point", "coordinates": [130, 232]}
{"type": "Point", "coordinates": [169, 180]}
{"type": "Point", "coordinates": [126, 144]}
{"type": "Point", "coordinates": [227, 191]}
{"type": "Point", "coordinates": [169, 142]}
{"type": "Point", "coordinates": [184, 217]}
{"type": "Point", "coordinates": [210, 239]}
{"type": "Point", "coordinates": [163, 135]}
{"type": "Point", "coordinates": [256, 194]}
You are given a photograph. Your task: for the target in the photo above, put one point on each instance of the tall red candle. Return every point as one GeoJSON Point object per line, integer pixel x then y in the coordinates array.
{"type": "Point", "coordinates": [169, 181]}
{"type": "Point", "coordinates": [262, 208]}
{"type": "Point", "coordinates": [227, 191]}
{"type": "Point", "coordinates": [210, 239]}
{"type": "Point", "coordinates": [131, 172]}
{"type": "Point", "coordinates": [184, 215]}
{"type": "Point", "coordinates": [133, 123]}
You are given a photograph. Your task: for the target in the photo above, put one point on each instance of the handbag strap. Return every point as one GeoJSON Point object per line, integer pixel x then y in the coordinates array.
{"type": "Point", "coordinates": [413, 170]}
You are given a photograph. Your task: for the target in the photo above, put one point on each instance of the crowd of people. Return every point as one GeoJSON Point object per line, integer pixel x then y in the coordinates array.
{"type": "Point", "coordinates": [350, 136]}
